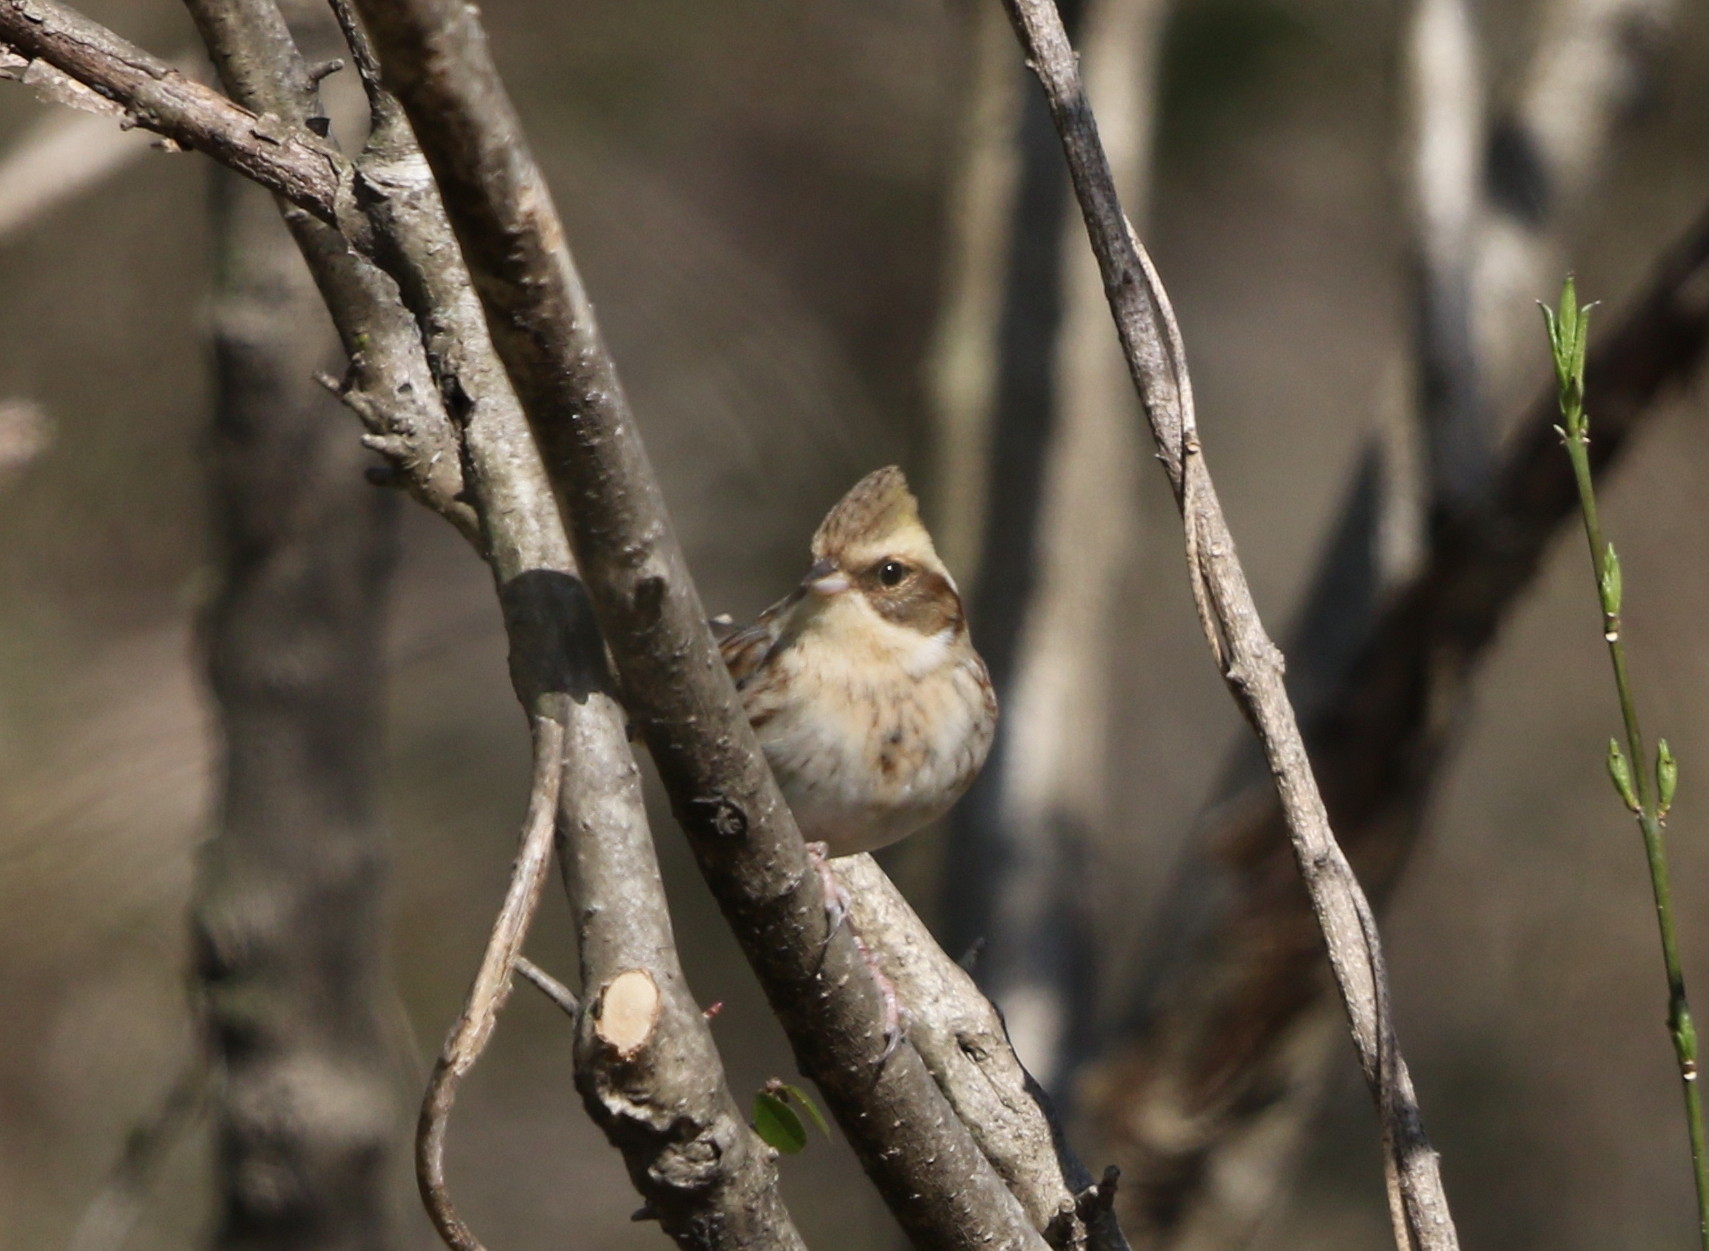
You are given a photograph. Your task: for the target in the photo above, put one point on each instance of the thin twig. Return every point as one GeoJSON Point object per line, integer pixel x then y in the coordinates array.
{"type": "Point", "coordinates": [550, 986]}
{"type": "Point", "coordinates": [112, 1214]}
{"type": "Point", "coordinates": [474, 1027]}
{"type": "Point", "coordinates": [1250, 663]}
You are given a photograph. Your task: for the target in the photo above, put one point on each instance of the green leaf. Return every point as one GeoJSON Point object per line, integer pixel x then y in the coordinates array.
{"type": "Point", "coordinates": [1621, 774]}
{"type": "Point", "coordinates": [1667, 776]}
{"type": "Point", "coordinates": [1611, 582]}
{"type": "Point", "coordinates": [776, 1123]}
{"type": "Point", "coordinates": [807, 1105]}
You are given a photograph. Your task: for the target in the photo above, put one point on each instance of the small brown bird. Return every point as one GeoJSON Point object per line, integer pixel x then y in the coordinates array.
{"type": "Point", "coordinates": [862, 684]}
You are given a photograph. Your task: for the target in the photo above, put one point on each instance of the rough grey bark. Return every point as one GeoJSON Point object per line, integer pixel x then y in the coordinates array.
{"type": "Point", "coordinates": [288, 911]}
{"type": "Point", "coordinates": [292, 162]}
{"type": "Point", "coordinates": [964, 1042]}
{"type": "Point", "coordinates": [1250, 663]}
{"type": "Point", "coordinates": [923, 1160]}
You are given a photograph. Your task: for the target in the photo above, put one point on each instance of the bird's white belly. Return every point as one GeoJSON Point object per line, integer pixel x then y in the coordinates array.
{"type": "Point", "coordinates": [862, 766]}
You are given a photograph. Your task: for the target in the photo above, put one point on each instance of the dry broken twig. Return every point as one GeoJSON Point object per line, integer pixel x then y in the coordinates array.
{"type": "Point", "coordinates": [1250, 663]}
{"type": "Point", "coordinates": [475, 1024]}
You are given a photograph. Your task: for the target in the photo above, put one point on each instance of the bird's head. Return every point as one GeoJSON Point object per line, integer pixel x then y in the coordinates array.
{"type": "Point", "coordinates": [873, 559]}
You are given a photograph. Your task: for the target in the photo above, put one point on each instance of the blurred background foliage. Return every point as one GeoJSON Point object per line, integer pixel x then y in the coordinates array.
{"type": "Point", "coordinates": [756, 192]}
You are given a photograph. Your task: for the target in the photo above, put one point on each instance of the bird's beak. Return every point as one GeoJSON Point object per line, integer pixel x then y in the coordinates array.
{"type": "Point", "coordinates": [825, 579]}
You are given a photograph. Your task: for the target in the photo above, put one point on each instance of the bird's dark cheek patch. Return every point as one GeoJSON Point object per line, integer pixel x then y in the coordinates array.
{"type": "Point", "coordinates": [926, 602]}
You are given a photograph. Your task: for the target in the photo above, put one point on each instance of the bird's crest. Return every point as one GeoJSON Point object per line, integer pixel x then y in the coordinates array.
{"type": "Point", "coordinates": [877, 509]}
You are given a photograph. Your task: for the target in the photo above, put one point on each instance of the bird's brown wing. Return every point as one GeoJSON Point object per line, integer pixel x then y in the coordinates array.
{"type": "Point", "coordinates": [745, 650]}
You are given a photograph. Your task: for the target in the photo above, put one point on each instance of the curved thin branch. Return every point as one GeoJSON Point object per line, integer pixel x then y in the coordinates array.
{"type": "Point", "coordinates": [474, 1026]}
{"type": "Point", "coordinates": [113, 1213]}
{"type": "Point", "coordinates": [1250, 663]}
{"type": "Point", "coordinates": [924, 1161]}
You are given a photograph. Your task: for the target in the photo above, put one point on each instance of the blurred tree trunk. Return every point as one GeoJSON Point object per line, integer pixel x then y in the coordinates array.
{"type": "Point", "coordinates": [1034, 405]}
{"type": "Point", "coordinates": [288, 911]}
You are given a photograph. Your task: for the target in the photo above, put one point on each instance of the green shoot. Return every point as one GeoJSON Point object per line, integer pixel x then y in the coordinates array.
{"type": "Point", "coordinates": [1648, 793]}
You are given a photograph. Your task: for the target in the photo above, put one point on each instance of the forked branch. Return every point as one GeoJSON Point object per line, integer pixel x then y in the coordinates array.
{"type": "Point", "coordinates": [926, 1164]}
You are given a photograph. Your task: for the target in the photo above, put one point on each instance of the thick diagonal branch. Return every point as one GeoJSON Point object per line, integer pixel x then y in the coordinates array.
{"type": "Point", "coordinates": [923, 1159]}
{"type": "Point", "coordinates": [1250, 663]}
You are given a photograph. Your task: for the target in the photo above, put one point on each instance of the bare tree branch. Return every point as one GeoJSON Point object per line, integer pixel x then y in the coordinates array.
{"type": "Point", "coordinates": [922, 1158]}
{"type": "Point", "coordinates": [1207, 1096]}
{"type": "Point", "coordinates": [964, 1042]}
{"type": "Point", "coordinates": [556, 663]}
{"type": "Point", "coordinates": [1248, 660]}
{"type": "Point", "coordinates": [551, 987]}
{"type": "Point", "coordinates": [153, 95]}
{"type": "Point", "coordinates": [390, 384]}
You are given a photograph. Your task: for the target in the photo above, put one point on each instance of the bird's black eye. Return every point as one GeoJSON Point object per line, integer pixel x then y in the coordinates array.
{"type": "Point", "coordinates": [892, 572]}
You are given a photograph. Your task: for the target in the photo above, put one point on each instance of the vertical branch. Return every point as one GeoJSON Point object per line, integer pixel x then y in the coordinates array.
{"type": "Point", "coordinates": [1207, 1087]}
{"type": "Point", "coordinates": [1061, 457]}
{"type": "Point", "coordinates": [1250, 663]}
{"type": "Point", "coordinates": [287, 913]}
